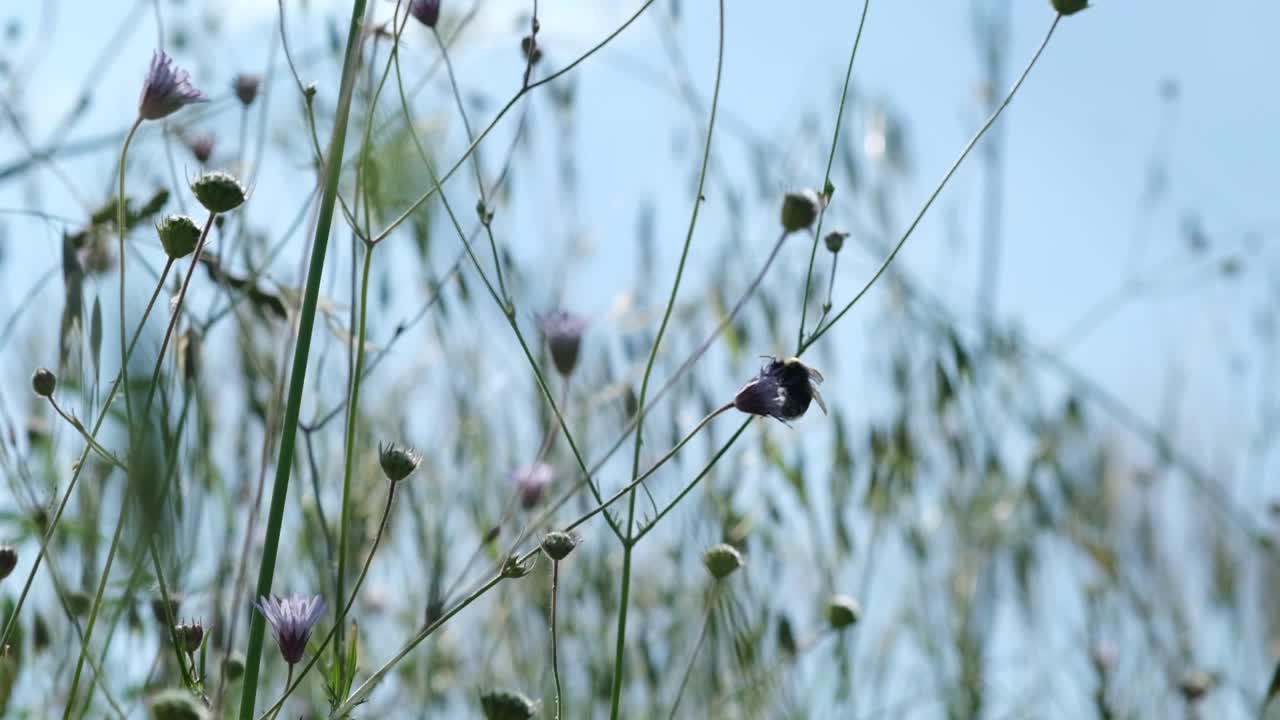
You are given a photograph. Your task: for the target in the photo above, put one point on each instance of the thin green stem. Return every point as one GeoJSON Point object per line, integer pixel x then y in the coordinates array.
{"type": "Point", "coordinates": [413, 207]}
{"type": "Point", "coordinates": [79, 427]}
{"type": "Point", "coordinates": [624, 599]}
{"type": "Point", "coordinates": [302, 352]}
{"type": "Point", "coordinates": [475, 161]}
{"type": "Point", "coordinates": [122, 228]}
{"type": "Point", "coordinates": [177, 311]}
{"type": "Point", "coordinates": [693, 483]}
{"type": "Point", "coordinates": [806, 343]}
{"type": "Point", "coordinates": [361, 693]}
{"type": "Point", "coordinates": [11, 623]}
{"type": "Point", "coordinates": [353, 416]}
{"type": "Point", "coordinates": [169, 619]}
{"type": "Point", "coordinates": [555, 641]}
{"type": "Point", "coordinates": [697, 647]}
{"type": "Point", "coordinates": [826, 183]}
{"type": "Point", "coordinates": [93, 612]}
{"type": "Point", "coordinates": [831, 284]}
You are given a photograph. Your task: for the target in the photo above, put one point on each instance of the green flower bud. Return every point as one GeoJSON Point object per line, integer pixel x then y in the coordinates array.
{"type": "Point", "coordinates": [835, 240]}
{"type": "Point", "coordinates": [179, 235]}
{"type": "Point", "coordinates": [557, 545]}
{"type": "Point", "coordinates": [513, 568]}
{"type": "Point", "coordinates": [507, 705]}
{"type": "Point", "coordinates": [233, 666]}
{"type": "Point", "coordinates": [722, 560]}
{"type": "Point", "coordinates": [176, 704]}
{"type": "Point", "coordinates": [843, 611]}
{"type": "Point", "coordinates": [799, 210]}
{"type": "Point", "coordinates": [397, 462]}
{"type": "Point", "coordinates": [1070, 7]}
{"type": "Point", "coordinates": [44, 382]}
{"type": "Point", "coordinates": [8, 560]}
{"type": "Point", "coordinates": [190, 635]}
{"type": "Point", "coordinates": [218, 192]}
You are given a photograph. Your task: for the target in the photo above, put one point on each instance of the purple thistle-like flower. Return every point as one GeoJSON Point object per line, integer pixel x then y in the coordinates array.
{"type": "Point", "coordinates": [291, 621]}
{"type": "Point", "coordinates": [167, 89]}
{"type": "Point", "coordinates": [426, 11]}
{"type": "Point", "coordinates": [782, 390]}
{"type": "Point", "coordinates": [563, 331]}
{"type": "Point", "coordinates": [532, 482]}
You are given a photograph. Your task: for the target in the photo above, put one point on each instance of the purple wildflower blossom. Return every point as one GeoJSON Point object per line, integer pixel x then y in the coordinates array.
{"type": "Point", "coordinates": [167, 89]}
{"type": "Point", "coordinates": [426, 11]}
{"type": "Point", "coordinates": [291, 621]}
{"type": "Point", "coordinates": [532, 482]}
{"type": "Point", "coordinates": [563, 331]}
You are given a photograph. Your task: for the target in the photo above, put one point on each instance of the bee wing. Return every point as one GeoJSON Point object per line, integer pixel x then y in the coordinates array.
{"type": "Point", "coordinates": [817, 397]}
{"type": "Point", "coordinates": [814, 375]}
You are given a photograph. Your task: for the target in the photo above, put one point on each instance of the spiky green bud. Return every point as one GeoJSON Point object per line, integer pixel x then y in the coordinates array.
{"type": "Point", "coordinates": [397, 462]}
{"type": "Point", "coordinates": [557, 545]}
{"type": "Point", "coordinates": [218, 191]}
{"type": "Point", "coordinates": [843, 611]}
{"type": "Point", "coordinates": [179, 235]}
{"type": "Point", "coordinates": [1070, 7]}
{"type": "Point", "coordinates": [722, 560]}
{"type": "Point", "coordinates": [507, 705]}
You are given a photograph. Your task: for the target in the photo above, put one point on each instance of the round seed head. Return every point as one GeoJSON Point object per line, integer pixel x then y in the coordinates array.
{"type": "Point", "coordinates": [246, 88]}
{"type": "Point", "coordinates": [1070, 7]}
{"type": "Point", "coordinates": [507, 705]}
{"type": "Point", "coordinates": [233, 666]}
{"type": "Point", "coordinates": [8, 560]}
{"type": "Point", "coordinates": [398, 462]}
{"type": "Point", "coordinates": [799, 210]}
{"type": "Point", "coordinates": [179, 235]}
{"type": "Point", "coordinates": [563, 331]}
{"type": "Point", "coordinates": [44, 382]}
{"type": "Point", "coordinates": [218, 191]}
{"type": "Point", "coordinates": [190, 635]}
{"type": "Point", "coordinates": [835, 240]}
{"type": "Point", "coordinates": [722, 560]}
{"type": "Point", "coordinates": [557, 545]}
{"type": "Point", "coordinates": [426, 12]}
{"type": "Point", "coordinates": [176, 704]}
{"type": "Point", "coordinates": [843, 611]}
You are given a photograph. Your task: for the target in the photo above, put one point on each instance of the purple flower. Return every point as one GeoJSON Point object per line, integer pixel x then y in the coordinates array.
{"type": "Point", "coordinates": [291, 620]}
{"type": "Point", "coordinates": [426, 11]}
{"type": "Point", "coordinates": [782, 390]}
{"type": "Point", "coordinates": [563, 331]}
{"type": "Point", "coordinates": [532, 482]}
{"type": "Point", "coordinates": [167, 89]}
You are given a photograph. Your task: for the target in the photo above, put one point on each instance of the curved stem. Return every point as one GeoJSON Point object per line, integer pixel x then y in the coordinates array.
{"type": "Point", "coordinates": [75, 423]}
{"type": "Point", "coordinates": [555, 662]}
{"type": "Point", "coordinates": [413, 207]}
{"type": "Point", "coordinates": [806, 343]}
{"type": "Point", "coordinates": [122, 228]}
{"type": "Point", "coordinates": [688, 670]}
{"type": "Point", "coordinates": [826, 183]}
{"type": "Point", "coordinates": [93, 613]}
{"type": "Point", "coordinates": [302, 352]}
{"type": "Point", "coordinates": [362, 692]}
{"type": "Point", "coordinates": [353, 415]}
{"type": "Point", "coordinates": [177, 311]}
{"type": "Point", "coordinates": [619, 652]}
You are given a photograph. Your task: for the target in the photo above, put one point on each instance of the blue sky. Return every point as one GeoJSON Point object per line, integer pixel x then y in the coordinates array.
{"type": "Point", "coordinates": [1080, 139]}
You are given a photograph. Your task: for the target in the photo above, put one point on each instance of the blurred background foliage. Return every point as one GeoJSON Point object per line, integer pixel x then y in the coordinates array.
{"type": "Point", "coordinates": [1022, 538]}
